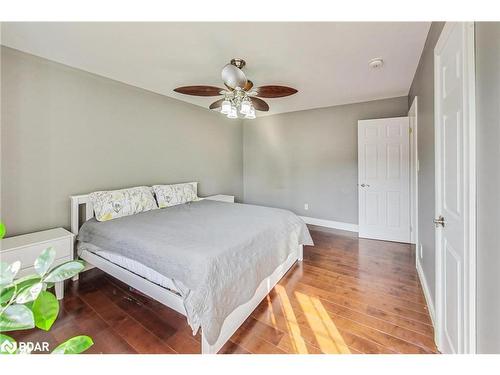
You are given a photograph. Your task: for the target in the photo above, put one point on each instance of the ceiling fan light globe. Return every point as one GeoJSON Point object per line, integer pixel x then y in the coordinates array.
{"type": "Point", "coordinates": [251, 114]}
{"type": "Point", "coordinates": [226, 107]}
{"type": "Point", "coordinates": [245, 108]}
{"type": "Point", "coordinates": [233, 77]}
{"type": "Point", "coordinates": [233, 113]}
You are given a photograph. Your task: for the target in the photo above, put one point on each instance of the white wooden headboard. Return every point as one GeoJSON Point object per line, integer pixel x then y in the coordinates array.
{"type": "Point", "coordinates": [76, 202]}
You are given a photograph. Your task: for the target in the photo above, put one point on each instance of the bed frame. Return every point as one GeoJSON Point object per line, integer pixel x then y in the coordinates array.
{"type": "Point", "coordinates": [168, 297]}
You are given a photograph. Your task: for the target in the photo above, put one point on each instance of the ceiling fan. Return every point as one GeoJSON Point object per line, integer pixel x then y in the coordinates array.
{"type": "Point", "coordinates": [239, 94]}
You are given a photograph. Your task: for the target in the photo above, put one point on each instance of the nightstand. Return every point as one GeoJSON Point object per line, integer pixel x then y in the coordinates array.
{"type": "Point", "coordinates": [28, 247]}
{"type": "Point", "coordinates": [221, 198]}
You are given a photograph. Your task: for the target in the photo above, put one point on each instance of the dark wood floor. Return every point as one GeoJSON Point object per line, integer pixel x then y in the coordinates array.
{"type": "Point", "coordinates": [349, 295]}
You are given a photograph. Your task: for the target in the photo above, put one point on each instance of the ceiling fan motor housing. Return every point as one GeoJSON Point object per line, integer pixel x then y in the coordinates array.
{"type": "Point", "coordinates": [237, 62]}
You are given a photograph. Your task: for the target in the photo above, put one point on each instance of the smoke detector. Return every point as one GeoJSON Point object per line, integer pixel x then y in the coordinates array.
{"type": "Point", "coordinates": [376, 63]}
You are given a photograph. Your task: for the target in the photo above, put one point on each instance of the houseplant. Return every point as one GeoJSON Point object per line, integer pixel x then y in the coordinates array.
{"type": "Point", "coordinates": [26, 302]}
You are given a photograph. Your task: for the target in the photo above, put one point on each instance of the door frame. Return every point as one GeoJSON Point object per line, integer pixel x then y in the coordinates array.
{"type": "Point", "coordinates": [469, 339]}
{"type": "Point", "coordinates": [414, 177]}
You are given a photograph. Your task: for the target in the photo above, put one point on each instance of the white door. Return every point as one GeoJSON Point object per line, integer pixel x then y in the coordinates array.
{"type": "Point", "coordinates": [383, 179]}
{"type": "Point", "coordinates": [454, 133]}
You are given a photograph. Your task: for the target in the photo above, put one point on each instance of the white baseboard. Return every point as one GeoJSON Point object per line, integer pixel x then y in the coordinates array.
{"type": "Point", "coordinates": [427, 294]}
{"type": "Point", "coordinates": [330, 224]}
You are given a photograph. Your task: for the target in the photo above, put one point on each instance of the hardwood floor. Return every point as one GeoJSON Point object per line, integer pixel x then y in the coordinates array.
{"type": "Point", "coordinates": [349, 295]}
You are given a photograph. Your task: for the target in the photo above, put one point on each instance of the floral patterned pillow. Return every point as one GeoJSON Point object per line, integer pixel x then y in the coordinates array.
{"type": "Point", "coordinates": [172, 195]}
{"type": "Point", "coordinates": [117, 203]}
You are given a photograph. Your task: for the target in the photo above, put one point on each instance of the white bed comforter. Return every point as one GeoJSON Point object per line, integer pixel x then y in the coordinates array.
{"type": "Point", "coordinates": [217, 253]}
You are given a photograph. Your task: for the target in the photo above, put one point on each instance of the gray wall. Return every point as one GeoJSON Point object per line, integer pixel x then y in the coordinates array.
{"type": "Point", "coordinates": [310, 157]}
{"type": "Point", "coordinates": [65, 131]}
{"type": "Point", "coordinates": [488, 182]}
{"type": "Point", "coordinates": [423, 87]}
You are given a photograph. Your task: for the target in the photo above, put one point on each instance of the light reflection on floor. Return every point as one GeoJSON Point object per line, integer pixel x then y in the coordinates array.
{"type": "Point", "coordinates": [326, 334]}
{"type": "Point", "coordinates": [293, 327]}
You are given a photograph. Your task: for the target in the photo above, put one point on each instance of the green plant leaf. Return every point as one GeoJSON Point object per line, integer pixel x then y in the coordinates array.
{"type": "Point", "coordinates": [16, 317]}
{"type": "Point", "coordinates": [2, 230]}
{"type": "Point", "coordinates": [75, 345]}
{"type": "Point", "coordinates": [64, 271]}
{"type": "Point", "coordinates": [44, 261]}
{"type": "Point", "coordinates": [29, 293]}
{"type": "Point", "coordinates": [6, 293]}
{"type": "Point", "coordinates": [29, 305]}
{"type": "Point", "coordinates": [45, 309]}
{"type": "Point", "coordinates": [8, 272]}
{"type": "Point", "coordinates": [25, 281]}
{"type": "Point", "coordinates": [7, 345]}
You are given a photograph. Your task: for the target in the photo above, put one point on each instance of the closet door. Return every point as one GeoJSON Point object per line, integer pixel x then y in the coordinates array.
{"type": "Point", "coordinates": [384, 179]}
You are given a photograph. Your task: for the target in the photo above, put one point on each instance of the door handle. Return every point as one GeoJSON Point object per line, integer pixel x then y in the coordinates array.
{"type": "Point", "coordinates": [364, 185]}
{"type": "Point", "coordinates": [439, 221]}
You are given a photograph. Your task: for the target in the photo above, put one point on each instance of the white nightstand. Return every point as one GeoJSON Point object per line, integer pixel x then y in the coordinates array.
{"type": "Point", "coordinates": [28, 247]}
{"type": "Point", "coordinates": [221, 198]}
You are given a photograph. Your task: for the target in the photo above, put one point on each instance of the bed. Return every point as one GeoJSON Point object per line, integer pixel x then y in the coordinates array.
{"type": "Point", "coordinates": [213, 262]}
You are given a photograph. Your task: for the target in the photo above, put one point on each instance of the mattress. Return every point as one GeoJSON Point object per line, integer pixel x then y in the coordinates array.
{"type": "Point", "coordinates": [217, 253]}
{"type": "Point", "coordinates": [130, 265]}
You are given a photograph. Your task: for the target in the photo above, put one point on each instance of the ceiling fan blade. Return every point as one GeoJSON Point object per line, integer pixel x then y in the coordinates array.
{"type": "Point", "coordinates": [216, 104]}
{"type": "Point", "coordinates": [233, 76]}
{"type": "Point", "coordinates": [273, 91]}
{"type": "Point", "coordinates": [248, 85]}
{"type": "Point", "coordinates": [259, 104]}
{"type": "Point", "coordinates": [199, 90]}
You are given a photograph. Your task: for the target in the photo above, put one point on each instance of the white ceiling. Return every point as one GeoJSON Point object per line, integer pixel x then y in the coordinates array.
{"type": "Point", "coordinates": [326, 62]}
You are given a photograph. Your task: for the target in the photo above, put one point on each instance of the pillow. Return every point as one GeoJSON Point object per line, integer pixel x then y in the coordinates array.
{"type": "Point", "coordinates": [172, 195]}
{"type": "Point", "coordinates": [117, 203]}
